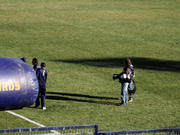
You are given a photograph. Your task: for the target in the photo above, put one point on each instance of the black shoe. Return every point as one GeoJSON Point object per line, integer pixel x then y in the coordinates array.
{"type": "Point", "coordinates": [36, 107]}
{"type": "Point", "coordinates": [121, 104]}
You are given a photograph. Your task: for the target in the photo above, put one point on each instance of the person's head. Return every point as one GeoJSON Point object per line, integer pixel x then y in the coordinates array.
{"type": "Point", "coordinates": [34, 61]}
{"type": "Point", "coordinates": [43, 65]}
{"type": "Point", "coordinates": [128, 62]}
{"type": "Point", "coordinates": [23, 59]}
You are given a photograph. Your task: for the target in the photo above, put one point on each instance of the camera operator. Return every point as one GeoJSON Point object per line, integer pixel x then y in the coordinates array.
{"type": "Point", "coordinates": [125, 80]}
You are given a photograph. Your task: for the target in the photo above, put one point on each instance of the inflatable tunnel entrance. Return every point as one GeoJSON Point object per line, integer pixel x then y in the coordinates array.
{"type": "Point", "coordinates": [18, 84]}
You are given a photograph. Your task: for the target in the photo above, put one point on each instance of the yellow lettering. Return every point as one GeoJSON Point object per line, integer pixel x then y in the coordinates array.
{"type": "Point", "coordinates": [4, 87]}
{"type": "Point", "coordinates": [17, 85]}
{"type": "Point", "coordinates": [11, 86]}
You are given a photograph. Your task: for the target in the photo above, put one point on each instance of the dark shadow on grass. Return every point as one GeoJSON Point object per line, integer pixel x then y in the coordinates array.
{"type": "Point", "coordinates": [63, 96]}
{"type": "Point", "coordinates": [82, 95]}
{"type": "Point", "coordinates": [142, 63]}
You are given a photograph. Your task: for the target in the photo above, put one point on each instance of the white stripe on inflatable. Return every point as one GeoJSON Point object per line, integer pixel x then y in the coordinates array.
{"type": "Point", "coordinates": [31, 121]}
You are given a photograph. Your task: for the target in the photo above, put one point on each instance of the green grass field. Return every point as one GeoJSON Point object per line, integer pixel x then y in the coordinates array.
{"type": "Point", "coordinates": [83, 43]}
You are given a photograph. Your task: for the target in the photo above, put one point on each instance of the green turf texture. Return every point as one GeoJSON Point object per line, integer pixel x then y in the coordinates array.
{"type": "Point", "coordinates": [83, 43]}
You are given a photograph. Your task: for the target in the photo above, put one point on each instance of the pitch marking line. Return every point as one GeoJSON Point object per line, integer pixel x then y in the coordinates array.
{"type": "Point", "coordinates": [31, 121]}
{"type": "Point", "coordinates": [24, 118]}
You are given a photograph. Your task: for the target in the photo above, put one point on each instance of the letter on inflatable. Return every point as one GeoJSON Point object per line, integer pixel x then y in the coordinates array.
{"type": "Point", "coordinates": [18, 84]}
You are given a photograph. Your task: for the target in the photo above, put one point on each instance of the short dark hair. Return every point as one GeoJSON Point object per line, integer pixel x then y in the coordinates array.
{"type": "Point", "coordinates": [23, 59]}
{"type": "Point", "coordinates": [128, 62]}
{"type": "Point", "coordinates": [35, 60]}
{"type": "Point", "coordinates": [43, 64]}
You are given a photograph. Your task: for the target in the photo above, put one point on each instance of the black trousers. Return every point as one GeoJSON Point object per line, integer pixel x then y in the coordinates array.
{"type": "Point", "coordinates": [42, 96]}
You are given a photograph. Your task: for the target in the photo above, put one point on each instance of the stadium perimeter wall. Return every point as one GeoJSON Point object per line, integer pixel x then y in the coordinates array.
{"type": "Point", "coordinates": [85, 130]}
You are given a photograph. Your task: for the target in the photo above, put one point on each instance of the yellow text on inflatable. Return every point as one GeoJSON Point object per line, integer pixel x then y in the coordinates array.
{"type": "Point", "coordinates": [10, 86]}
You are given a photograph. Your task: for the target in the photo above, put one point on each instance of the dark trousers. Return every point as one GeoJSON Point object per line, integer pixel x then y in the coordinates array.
{"type": "Point", "coordinates": [42, 95]}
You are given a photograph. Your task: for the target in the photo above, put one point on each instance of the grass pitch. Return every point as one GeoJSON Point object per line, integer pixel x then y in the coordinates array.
{"type": "Point", "coordinates": [83, 43]}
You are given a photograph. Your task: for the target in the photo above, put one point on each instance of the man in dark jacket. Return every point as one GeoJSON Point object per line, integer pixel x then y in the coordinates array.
{"type": "Point", "coordinates": [42, 77]}
{"type": "Point", "coordinates": [35, 64]}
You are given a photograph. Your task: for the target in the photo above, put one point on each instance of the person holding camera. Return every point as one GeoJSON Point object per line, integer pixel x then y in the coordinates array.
{"type": "Point", "coordinates": [42, 77]}
{"type": "Point", "coordinates": [125, 80]}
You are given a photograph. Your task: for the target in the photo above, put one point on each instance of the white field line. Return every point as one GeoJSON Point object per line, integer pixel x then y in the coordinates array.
{"type": "Point", "coordinates": [24, 118]}
{"type": "Point", "coordinates": [31, 121]}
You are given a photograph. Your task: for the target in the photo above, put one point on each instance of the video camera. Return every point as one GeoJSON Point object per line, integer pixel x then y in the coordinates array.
{"type": "Point", "coordinates": [116, 76]}
{"type": "Point", "coordinates": [122, 77]}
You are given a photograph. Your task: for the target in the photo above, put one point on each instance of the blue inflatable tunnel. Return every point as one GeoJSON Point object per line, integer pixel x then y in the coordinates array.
{"type": "Point", "coordinates": [18, 84]}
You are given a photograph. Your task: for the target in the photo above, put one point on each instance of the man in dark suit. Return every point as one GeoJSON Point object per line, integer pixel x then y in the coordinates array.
{"type": "Point", "coordinates": [42, 77]}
